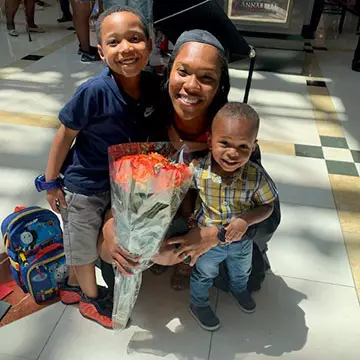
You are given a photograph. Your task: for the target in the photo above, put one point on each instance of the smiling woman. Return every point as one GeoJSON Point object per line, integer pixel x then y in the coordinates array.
{"type": "Point", "coordinates": [195, 88]}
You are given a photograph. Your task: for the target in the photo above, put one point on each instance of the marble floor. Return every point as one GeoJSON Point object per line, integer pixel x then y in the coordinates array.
{"type": "Point", "coordinates": [308, 307]}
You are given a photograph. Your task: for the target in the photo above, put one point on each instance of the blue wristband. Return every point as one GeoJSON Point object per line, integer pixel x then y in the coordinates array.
{"type": "Point", "coordinates": [42, 185]}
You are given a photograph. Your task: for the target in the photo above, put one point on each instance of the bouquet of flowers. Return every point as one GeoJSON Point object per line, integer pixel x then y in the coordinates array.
{"type": "Point", "coordinates": [146, 191]}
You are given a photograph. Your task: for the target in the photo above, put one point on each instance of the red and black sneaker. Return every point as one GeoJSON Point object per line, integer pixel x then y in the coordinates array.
{"type": "Point", "coordinates": [70, 294]}
{"type": "Point", "coordinates": [98, 309]}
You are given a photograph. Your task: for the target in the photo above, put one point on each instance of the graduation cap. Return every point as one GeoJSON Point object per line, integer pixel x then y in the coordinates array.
{"type": "Point", "coordinates": [173, 17]}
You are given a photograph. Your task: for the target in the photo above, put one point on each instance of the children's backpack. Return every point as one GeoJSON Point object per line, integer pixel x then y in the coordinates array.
{"type": "Point", "coordinates": [33, 242]}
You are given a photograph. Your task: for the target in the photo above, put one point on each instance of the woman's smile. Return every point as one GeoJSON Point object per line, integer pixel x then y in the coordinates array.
{"type": "Point", "coordinates": [188, 100]}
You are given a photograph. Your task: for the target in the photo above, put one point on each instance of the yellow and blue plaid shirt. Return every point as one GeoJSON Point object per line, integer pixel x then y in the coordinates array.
{"type": "Point", "coordinates": [221, 199]}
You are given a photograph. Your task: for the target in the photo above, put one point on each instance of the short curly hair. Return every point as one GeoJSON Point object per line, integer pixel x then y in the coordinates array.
{"type": "Point", "coordinates": [117, 9]}
{"type": "Point", "coordinates": [238, 110]}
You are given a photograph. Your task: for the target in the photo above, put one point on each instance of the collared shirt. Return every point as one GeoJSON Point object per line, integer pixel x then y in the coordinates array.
{"type": "Point", "coordinates": [105, 115]}
{"type": "Point", "coordinates": [221, 199]}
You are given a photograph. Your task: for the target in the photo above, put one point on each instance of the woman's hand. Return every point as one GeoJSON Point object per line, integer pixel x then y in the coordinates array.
{"type": "Point", "coordinates": [111, 252]}
{"type": "Point", "coordinates": [123, 260]}
{"type": "Point", "coordinates": [195, 243]}
{"type": "Point", "coordinates": [166, 256]}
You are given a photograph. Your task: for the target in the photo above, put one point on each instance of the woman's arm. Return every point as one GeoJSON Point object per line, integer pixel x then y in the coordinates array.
{"type": "Point", "coordinates": [111, 252]}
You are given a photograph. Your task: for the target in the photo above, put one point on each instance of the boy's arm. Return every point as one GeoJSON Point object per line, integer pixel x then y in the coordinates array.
{"type": "Point", "coordinates": [258, 214]}
{"type": "Point", "coordinates": [238, 226]}
{"type": "Point", "coordinates": [58, 152]}
{"type": "Point", "coordinates": [264, 197]}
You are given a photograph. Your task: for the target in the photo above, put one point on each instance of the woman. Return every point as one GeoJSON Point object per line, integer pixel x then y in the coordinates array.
{"type": "Point", "coordinates": [198, 85]}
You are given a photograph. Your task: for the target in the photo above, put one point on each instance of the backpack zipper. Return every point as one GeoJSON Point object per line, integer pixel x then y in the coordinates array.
{"type": "Point", "coordinates": [38, 265]}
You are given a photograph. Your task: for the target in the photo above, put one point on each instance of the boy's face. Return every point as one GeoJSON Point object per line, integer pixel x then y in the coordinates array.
{"type": "Point", "coordinates": [232, 141]}
{"type": "Point", "coordinates": [124, 46]}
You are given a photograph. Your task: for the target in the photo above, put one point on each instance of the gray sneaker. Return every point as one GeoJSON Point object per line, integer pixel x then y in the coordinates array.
{"type": "Point", "coordinates": [245, 301]}
{"type": "Point", "coordinates": [205, 317]}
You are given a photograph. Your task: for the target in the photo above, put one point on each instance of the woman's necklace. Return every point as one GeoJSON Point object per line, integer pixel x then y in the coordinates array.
{"type": "Point", "coordinates": [178, 142]}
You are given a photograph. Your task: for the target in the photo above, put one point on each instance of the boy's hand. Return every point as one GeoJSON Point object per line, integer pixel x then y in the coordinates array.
{"type": "Point", "coordinates": [56, 199]}
{"type": "Point", "coordinates": [236, 229]}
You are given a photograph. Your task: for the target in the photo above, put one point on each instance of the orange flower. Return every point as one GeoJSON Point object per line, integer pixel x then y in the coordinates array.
{"type": "Point", "coordinates": [150, 169]}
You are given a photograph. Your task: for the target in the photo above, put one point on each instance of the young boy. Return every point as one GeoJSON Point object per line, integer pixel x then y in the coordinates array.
{"type": "Point", "coordinates": [234, 194]}
{"type": "Point", "coordinates": [114, 107]}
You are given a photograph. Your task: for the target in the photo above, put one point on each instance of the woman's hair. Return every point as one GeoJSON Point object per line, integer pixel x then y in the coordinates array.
{"type": "Point", "coordinates": [202, 36]}
{"type": "Point", "coordinates": [117, 9]}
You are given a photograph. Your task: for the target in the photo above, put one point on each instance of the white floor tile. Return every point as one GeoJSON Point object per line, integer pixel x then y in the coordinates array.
{"type": "Point", "coordinates": [300, 180]}
{"type": "Point", "coordinates": [161, 328]}
{"type": "Point", "coordinates": [27, 336]}
{"type": "Point", "coordinates": [309, 245]}
{"type": "Point", "coordinates": [337, 154]}
{"type": "Point", "coordinates": [12, 357]}
{"type": "Point", "coordinates": [294, 319]}
{"type": "Point", "coordinates": [283, 105]}
{"type": "Point", "coordinates": [343, 89]}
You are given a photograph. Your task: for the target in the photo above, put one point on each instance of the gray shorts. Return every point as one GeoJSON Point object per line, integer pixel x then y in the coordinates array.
{"type": "Point", "coordinates": [82, 221]}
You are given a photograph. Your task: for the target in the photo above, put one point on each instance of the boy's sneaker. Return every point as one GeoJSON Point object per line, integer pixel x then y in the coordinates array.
{"type": "Point", "coordinates": [87, 57]}
{"type": "Point", "coordinates": [98, 310]}
{"type": "Point", "coordinates": [205, 317]}
{"type": "Point", "coordinates": [69, 294]}
{"type": "Point", "coordinates": [245, 301]}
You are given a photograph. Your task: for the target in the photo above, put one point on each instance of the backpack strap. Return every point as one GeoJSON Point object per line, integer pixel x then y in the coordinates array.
{"type": "Point", "coordinates": [14, 264]}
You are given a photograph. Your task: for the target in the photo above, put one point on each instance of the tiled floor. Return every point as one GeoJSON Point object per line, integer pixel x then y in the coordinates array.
{"type": "Point", "coordinates": [310, 137]}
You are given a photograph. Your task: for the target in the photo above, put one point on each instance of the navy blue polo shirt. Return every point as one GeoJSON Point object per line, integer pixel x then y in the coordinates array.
{"type": "Point", "coordinates": [105, 115]}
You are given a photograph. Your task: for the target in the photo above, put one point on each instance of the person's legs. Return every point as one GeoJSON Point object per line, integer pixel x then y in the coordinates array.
{"type": "Point", "coordinates": [65, 8]}
{"type": "Point", "coordinates": [205, 271]}
{"type": "Point", "coordinates": [30, 13]}
{"type": "Point", "coordinates": [82, 220]}
{"type": "Point", "coordinates": [81, 14]}
{"type": "Point", "coordinates": [238, 262]}
{"type": "Point", "coordinates": [202, 277]}
{"type": "Point", "coordinates": [11, 7]}
{"type": "Point", "coordinates": [85, 275]}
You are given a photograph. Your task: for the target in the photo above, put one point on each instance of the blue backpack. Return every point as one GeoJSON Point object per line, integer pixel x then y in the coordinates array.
{"type": "Point", "coordinates": [33, 242]}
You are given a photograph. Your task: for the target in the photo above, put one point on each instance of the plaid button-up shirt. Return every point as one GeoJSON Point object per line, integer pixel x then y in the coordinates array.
{"type": "Point", "coordinates": [221, 199]}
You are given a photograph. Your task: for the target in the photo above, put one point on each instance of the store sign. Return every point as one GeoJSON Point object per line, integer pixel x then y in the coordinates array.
{"type": "Point", "coordinates": [260, 10]}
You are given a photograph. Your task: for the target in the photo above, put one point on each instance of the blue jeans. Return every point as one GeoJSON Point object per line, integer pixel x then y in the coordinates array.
{"type": "Point", "coordinates": [237, 256]}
